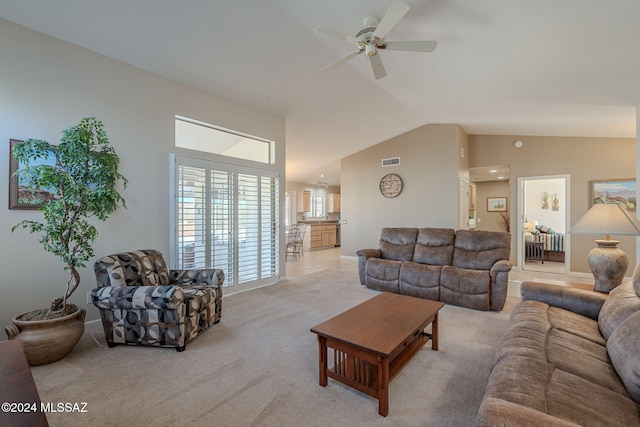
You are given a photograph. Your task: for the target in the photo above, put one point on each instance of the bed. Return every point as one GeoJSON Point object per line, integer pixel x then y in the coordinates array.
{"type": "Point", "coordinates": [553, 242]}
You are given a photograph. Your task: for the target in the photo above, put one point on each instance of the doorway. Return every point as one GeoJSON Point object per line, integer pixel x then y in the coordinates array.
{"type": "Point", "coordinates": [543, 218]}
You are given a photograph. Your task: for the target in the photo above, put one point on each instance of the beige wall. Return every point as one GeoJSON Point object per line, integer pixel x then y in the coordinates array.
{"type": "Point", "coordinates": [491, 221]}
{"type": "Point", "coordinates": [431, 185]}
{"type": "Point", "coordinates": [583, 159]}
{"type": "Point", "coordinates": [48, 85]}
{"type": "Point", "coordinates": [535, 190]}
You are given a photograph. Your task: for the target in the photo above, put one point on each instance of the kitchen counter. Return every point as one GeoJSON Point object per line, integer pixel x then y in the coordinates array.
{"type": "Point", "coordinates": [328, 221]}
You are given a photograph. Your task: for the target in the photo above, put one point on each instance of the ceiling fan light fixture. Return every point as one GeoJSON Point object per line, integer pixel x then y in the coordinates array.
{"type": "Point", "coordinates": [370, 49]}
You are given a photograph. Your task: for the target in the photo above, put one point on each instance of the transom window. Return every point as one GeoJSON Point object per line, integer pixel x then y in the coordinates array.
{"type": "Point", "coordinates": [195, 135]}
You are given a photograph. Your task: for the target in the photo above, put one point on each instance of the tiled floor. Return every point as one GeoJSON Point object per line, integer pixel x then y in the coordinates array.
{"type": "Point", "coordinates": [548, 266]}
{"type": "Point", "coordinates": [313, 261]}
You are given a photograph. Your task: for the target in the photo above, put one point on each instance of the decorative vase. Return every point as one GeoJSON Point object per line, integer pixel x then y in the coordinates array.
{"type": "Point", "coordinates": [608, 263]}
{"type": "Point", "coordinates": [47, 341]}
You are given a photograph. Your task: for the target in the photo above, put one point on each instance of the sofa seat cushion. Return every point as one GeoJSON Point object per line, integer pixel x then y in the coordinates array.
{"type": "Point", "coordinates": [464, 287]}
{"type": "Point", "coordinates": [420, 280]}
{"type": "Point", "coordinates": [495, 412]}
{"type": "Point", "coordinates": [383, 274]}
{"type": "Point", "coordinates": [138, 297]}
{"type": "Point", "coordinates": [521, 387]}
{"type": "Point", "coordinates": [566, 340]}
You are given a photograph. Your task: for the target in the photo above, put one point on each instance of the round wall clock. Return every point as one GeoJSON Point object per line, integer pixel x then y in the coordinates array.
{"type": "Point", "coordinates": [391, 185]}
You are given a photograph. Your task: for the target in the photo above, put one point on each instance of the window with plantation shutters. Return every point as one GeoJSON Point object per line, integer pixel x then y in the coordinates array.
{"type": "Point", "coordinates": [226, 217]}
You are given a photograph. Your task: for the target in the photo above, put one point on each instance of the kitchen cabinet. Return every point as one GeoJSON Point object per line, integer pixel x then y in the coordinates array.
{"type": "Point", "coordinates": [333, 203]}
{"type": "Point", "coordinates": [329, 237]}
{"type": "Point", "coordinates": [323, 236]}
{"type": "Point", "coordinates": [303, 201]}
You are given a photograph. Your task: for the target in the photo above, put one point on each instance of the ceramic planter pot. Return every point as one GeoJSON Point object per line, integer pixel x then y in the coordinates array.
{"type": "Point", "coordinates": [47, 341]}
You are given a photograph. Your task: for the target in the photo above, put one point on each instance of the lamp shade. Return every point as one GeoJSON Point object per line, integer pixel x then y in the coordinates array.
{"type": "Point", "coordinates": [607, 219]}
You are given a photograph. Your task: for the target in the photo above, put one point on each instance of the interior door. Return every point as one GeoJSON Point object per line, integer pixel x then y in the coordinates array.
{"type": "Point", "coordinates": [463, 204]}
{"type": "Point", "coordinates": [522, 209]}
{"type": "Point", "coordinates": [531, 192]}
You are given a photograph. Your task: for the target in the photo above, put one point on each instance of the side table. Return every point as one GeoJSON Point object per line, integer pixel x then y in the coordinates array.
{"type": "Point", "coordinates": [534, 251]}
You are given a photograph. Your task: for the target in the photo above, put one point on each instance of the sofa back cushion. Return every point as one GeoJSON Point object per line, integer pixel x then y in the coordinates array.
{"type": "Point", "coordinates": [434, 246]}
{"type": "Point", "coordinates": [622, 302]}
{"type": "Point", "coordinates": [137, 268]}
{"type": "Point", "coordinates": [398, 244]}
{"type": "Point", "coordinates": [623, 348]}
{"type": "Point", "coordinates": [479, 250]}
{"type": "Point", "coordinates": [383, 274]}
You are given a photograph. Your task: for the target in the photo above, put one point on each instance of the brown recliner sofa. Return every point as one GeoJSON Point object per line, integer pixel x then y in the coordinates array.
{"type": "Point", "coordinates": [465, 268]}
{"type": "Point", "coordinates": [569, 357]}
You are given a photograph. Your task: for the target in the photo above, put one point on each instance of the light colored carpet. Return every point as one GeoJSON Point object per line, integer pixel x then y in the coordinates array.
{"type": "Point", "coordinates": [259, 367]}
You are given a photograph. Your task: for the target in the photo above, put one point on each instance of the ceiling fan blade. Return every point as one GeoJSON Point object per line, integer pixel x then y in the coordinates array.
{"type": "Point", "coordinates": [340, 61]}
{"type": "Point", "coordinates": [377, 67]}
{"type": "Point", "coordinates": [334, 34]}
{"type": "Point", "coordinates": [390, 19]}
{"type": "Point", "coordinates": [412, 46]}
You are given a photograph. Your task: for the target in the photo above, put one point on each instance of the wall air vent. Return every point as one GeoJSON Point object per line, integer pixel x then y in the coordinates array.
{"type": "Point", "coordinates": [393, 161]}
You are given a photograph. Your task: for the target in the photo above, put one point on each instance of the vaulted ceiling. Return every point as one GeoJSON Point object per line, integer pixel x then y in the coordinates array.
{"type": "Point", "coordinates": [544, 67]}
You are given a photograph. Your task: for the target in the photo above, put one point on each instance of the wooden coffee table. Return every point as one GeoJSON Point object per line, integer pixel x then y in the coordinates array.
{"type": "Point", "coordinates": [373, 341]}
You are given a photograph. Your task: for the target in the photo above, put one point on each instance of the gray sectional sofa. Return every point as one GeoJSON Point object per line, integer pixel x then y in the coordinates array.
{"type": "Point", "coordinates": [466, 268]}
{"type": "Point", "coordinates": [569, 357]}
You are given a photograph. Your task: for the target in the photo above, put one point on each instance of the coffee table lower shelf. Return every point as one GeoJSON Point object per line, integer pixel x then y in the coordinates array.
{"type": "Point", "coordinates": [368, 372]}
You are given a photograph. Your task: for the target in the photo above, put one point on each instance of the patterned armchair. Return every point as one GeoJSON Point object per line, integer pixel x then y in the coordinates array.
{"type": "Point", "coordinates": [142, 302]}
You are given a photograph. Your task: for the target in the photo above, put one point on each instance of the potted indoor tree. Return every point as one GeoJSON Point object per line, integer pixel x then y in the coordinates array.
{"type": "Point", "coordinates": [82, 172]}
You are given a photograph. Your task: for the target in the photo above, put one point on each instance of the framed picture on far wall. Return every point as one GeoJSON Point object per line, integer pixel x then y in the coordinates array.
{"type": "Point", "coordinates": [20, 195]}
{"type": "Point", "coordinates": [496, 204]}
{"type": "Point", "coordinates": [621, 191]}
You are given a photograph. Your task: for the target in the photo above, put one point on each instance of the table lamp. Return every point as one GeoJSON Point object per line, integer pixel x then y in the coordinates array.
{"type": "Point", "coordinates": [608, 263]}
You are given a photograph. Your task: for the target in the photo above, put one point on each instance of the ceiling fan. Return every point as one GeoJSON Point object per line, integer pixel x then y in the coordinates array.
{"type": "Point", "coordinates": [371, 39]}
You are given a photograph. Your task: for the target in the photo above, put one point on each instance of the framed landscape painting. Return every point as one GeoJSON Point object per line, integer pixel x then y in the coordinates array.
{"type": "Point", "coordinates": [20, 195]}
{"type": "Point", "coordinates": [622, 191]}
{"type": "Point", "coordinates": [496, 204]}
